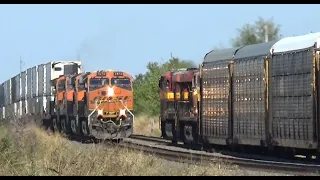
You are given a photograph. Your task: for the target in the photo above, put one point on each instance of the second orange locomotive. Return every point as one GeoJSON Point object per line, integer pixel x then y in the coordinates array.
{"type": "Point", "coordinates": [97, 104]}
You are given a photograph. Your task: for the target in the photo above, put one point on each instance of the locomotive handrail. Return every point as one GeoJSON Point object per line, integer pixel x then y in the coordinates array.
{"type": "Point", "coordinates": [128, 110]}
{"type": "Point", "coordinates": [89, 116]}
{"type": "Point", "coordinates": [101, 101]}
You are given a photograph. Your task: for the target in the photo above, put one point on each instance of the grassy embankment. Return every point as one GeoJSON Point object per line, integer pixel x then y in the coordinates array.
{"type": "Point", "coordinates": [143, 126]}
{"type": "Point", "coordinates": [31, 151]}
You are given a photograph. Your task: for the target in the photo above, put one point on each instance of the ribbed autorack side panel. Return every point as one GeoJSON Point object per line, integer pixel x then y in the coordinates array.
{"type": "Point", "coordinates": [248, 96]}
{"type": "Point", "coordinates": [292, 94]}
{"type": "Point", "coordinates": [215, 112]}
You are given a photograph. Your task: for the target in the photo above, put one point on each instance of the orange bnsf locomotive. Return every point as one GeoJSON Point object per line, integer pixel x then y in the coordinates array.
{"type": "Point", "coordinates": [179, 96]}
{"type": "Point", "coordinates": [97, 104]}
{"type": "Point", "coordinates": [57, 94]}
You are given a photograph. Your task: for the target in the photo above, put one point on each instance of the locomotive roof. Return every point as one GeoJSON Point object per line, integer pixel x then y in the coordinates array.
{"type": "Point", "coordinates": [224, 54]}
{"type": "Point", "coordinates": [185, 71]}
{"type": "Point", "coordinates": [296, 42]}
{"type": "Point", "coordinates": [254, 50]}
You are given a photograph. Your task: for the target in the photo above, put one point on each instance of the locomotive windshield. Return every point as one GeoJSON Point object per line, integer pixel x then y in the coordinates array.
{"type": "Point", "coordinates": [96, 83]}
{"type": "Point", "coordinates": [121, 82]}
{"type": "Point", "coordinates": [70, 86]}
{"type": "Point", "coordinates": [62, 85]}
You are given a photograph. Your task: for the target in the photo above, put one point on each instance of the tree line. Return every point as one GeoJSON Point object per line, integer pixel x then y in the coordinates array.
{"type": "Point", "coordinates": [145, 85]}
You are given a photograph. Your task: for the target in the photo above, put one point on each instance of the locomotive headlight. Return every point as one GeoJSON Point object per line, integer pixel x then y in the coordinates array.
{"type": "Point", "coordinates": [110, 91]}
{"type": "Point", "coordinates": [195, 92]}
{"type": "Point", "coordinates": [122, 112]}
{"type": "Point", "coordinates": [100, 111]}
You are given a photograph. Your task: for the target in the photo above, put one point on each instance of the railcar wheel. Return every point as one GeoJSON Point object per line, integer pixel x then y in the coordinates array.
{"type": "Point", "coordinates": [188, 133]}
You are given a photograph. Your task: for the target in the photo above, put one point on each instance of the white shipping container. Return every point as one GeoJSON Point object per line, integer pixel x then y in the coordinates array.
{"type": "Point", "coordinates": [47, 101]}
{"type": "Point", "coordinates": [36, 105]}
{"type": "Point", "coordinates": [34, 82]}
{"type": "Point", "coordinates": [23, 107]}
{"type": "Point", "coordinates": [41, 79]}
{"type": "Point", "coordinates": [1, 95]}
{"type": "Point", "coordinates": [31, 105]}
{"type": "Point", "coordinates": [26, 107]}
{"type": "Point", "coordinates": [23, 85]}
{"type": "Point", "coordinates": [29, 83]}
{"type": "Point", "coordinates": [3, 112]}
{"type": "Point", "coordinates": [14, 109]}
{"type": "Point", "coordinates": [9, 86]}
{"type": "Point", "coordinates": [13, 89]}
{"type": "Point", "coordinates": [12, 112]}
{"type": "Point", "coordinates": [40, 105]}
{"type": "Point", "coordinates": [48, 80]}
{"type": "Point", "coordinates": [9, 113]}
{"type": "Point", "coordinates": [20, 109]}
{"type": "Point", "coordinates": [55, 69]}
{"type": "Point", "coordinates": [16, 89]}
{"type": "Point", "coordinates": [7, 92]}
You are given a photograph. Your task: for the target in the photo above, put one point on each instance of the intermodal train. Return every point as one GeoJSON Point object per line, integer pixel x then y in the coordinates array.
{"type": "Point", "coordinates": [58, 95]}
{"type": "Point", "coordinates": [262, 95]}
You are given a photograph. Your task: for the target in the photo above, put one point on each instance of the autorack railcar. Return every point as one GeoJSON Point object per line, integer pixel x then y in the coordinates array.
{"type": "Point", "coordinates": [263, 95]}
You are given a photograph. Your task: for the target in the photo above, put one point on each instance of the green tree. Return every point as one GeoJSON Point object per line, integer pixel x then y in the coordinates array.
{"type": "Point", "coordinates": [146, 90]}
{"type": "Point", "coordinates": [255, 33]}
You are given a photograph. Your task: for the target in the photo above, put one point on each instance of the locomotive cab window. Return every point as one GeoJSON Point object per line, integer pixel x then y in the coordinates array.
{"type": "Point", "coordinates": [167, 84]}
{"type": "Point", "coordinates": [62, 85]}
{"type": "Point", "coordinates": [196, 81]}
{"type": "Point", "coordinates": [97, 83]}
{"type": "Point", "coordinates": [70, 86]}
{"type": "Point", "coordinates": [81, 87]}
{"type": "Point", "coordinates": [121, 82]}
{"type": "Point", "coordinates": [164, 84]}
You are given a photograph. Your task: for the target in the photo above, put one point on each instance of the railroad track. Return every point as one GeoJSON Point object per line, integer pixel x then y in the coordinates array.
{"type": "Point", "coordinates": [164, 149]}
{"type": "Point", "coordinates": [149, 138]}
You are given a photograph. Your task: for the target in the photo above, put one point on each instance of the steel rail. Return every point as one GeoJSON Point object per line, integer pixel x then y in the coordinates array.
{"type": "Point", "coordinates": [160, 147]}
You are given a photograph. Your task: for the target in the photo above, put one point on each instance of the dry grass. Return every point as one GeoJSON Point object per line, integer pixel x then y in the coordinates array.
{"type": "Point", "coordinates": [143, 126]}
{"type": "Point", "coordinates": [31, 151]}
